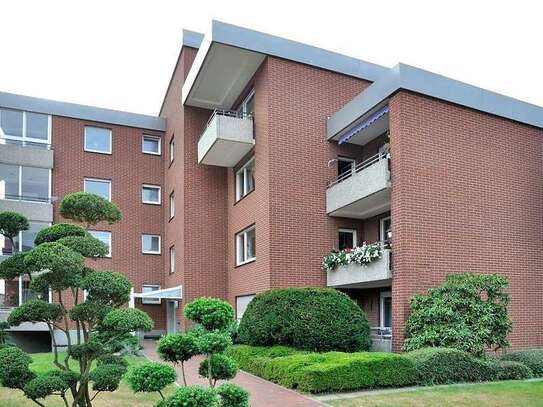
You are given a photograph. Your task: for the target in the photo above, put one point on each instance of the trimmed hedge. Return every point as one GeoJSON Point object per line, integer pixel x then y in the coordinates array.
{"type": "Point", "coordinates": [532, 358]}
{"type": "Point", "coordinates": [325, 372]}
{"type": "Point", "coordinates": [510, 370]}
{"type": "Point", "coordinates": [448, 365]}
{"type": "Point", "coordinates": [315, 319]}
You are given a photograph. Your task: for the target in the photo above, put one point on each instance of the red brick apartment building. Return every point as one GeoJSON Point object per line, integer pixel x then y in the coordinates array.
{"type": "Point", "coordinates": [266, 155]}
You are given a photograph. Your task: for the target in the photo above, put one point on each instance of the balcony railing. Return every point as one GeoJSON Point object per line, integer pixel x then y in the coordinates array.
{"type": "Point", "coordinates": [359, 167]}
{"type": "Point", "coordinates": [26, 198]}
{"type": "Point", "coordinates": [226, 139]}
{"type": "Point", "coordinates": [25, 143]}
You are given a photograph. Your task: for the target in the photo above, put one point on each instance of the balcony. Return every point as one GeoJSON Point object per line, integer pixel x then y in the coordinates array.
{"type": "Point", "coordinates": [26, 153]}
{"type": "Point", "coordinates": [227, 138]}
{"type": "Point", "coordinates": [363, 192]}
{"type": "Point", "coordinates": [33, 208]}
{"type": "Point", "coordinates": [353, 275]}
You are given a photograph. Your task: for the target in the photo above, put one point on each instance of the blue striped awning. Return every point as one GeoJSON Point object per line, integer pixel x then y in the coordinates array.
{"type": "Point", "coordinates": [364, 125]}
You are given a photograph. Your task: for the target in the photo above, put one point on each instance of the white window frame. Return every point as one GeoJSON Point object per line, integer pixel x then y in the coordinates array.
{"type": "Point", "coordinates": [105, 181]}
{"type": "Point", "coordinates": [151, 301]}
{"type": "Point", "coordinates": [108, 255]}
{"type": "Point", "coordinates": [242, 239]}
{"type": "Point", "coordinates": [151, 137]}
{"type": "Point", "coordinates": [150, 251]}
{"type": "Point", "coordinates": [243, 173]}
{"type": "Point", "coordinates": [150, 186]}
{"type": "Point", "coordinates": [172, 205]}
{"type": "Point", "coordinates": [382, 231]}
{"type": "Point", "coordinates": [172, 259]}
{"type": "Point", "coordinates": [351, 231]}
{"type": "Point", "coordinates": [382, 296]}
{"type": "Point", "coordinates": [24, 137]}
{"type": "Point", "coordinates": [97, 151]}
{"type": "Point", "coordinates": [171, 149]}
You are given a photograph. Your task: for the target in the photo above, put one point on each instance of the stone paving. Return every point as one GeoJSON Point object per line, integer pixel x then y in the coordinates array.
{"type": "Point", "coordinates": [263, 393]}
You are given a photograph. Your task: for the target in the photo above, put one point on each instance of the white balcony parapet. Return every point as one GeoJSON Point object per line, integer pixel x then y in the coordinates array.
{"type": "Point", "coordinates": [353, 275]}
{"type": "Point", "coordinates": [227, 138]}
{"type": "Point", "coordinates": [362, 192]}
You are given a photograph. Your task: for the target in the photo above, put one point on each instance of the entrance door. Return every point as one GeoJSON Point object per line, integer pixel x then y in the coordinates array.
{"type": "Point", "coordinates": [171, 320]}
{"type": "Point", "coordinates": [386, 310]}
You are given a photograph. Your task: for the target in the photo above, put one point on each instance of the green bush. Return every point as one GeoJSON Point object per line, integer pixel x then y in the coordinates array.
{"type": "Point", "coordinates": [14, 368]}
{"type": "Point", "coordinates": [107, 377]}
{"type": "Point", "coordinates": [325, 372]}
{"type": "Point", "coordinates": [89, 208]}
{"type": "Point", "coordinates": [222, 367]}
{"type": "Point", "coordinates": [192, 396]}
{"type": "Point", "coordinates": [447, 365]}
{"type": "Point", "coordinates": [233, 395]}
{"type": "Point", "coordinates": [43, 386]}
{"type": "Point", "coordinates": [316, 319]}
{"type": "Point", "coordinates": [151, 377]}
{"type": "Point", "coordinates": [532, 358]}
{"type": "Point", "coordinates": [213, 342]}
{"type": "Point", "coordinates": [510, 370]}
{"type": "Point", "coordinates": [211, 313]}
{"type": "Point", "coordinates": [467, 312]}
{"type": "Point", "coordinates": [58, 231]}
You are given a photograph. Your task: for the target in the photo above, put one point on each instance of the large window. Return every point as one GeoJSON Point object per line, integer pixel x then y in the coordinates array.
{"type": "Point", "coordinates": [101, 187]}
{"type": "Point", "coordinates": [347, 239]}
{"type": "Point", "coordinates": [150, 244]}
{"type": "Point", "coordinates": [24, 183]}
{"type": "Point", "coordinates": [104, 237]}
{"type": "Point", "coordinates": [24, 127]}
{"type": "Point", "coordinates": [172, 259]}
{"type": "Point", "coordinates": [245, 179]}
{"type": "Point", "coordinates": [24, 241]}
{"type": "Point", "coordinates": [98, 140]}
{"type": "Point", "coordinates": [148, 288]}
{"type": "Point", "coordinates": [246, 246]}
{"type": "Point", "coordinates": [150, 194]}
{"type": "Point", "coordinates": [150, 145]}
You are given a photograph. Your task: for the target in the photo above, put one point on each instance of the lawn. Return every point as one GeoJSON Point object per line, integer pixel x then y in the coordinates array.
{"type": "Point", "coordinates": [503, 394]}
{"type": "Point", "coordinates": [124, 397]}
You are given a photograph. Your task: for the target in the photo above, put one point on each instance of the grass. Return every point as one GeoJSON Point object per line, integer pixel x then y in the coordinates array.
{"type": "Point", "coordinates": [502, 394]}
{"type": "Point", "coordinates": [124, 397]}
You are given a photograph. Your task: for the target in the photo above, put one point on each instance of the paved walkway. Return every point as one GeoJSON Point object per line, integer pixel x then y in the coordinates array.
{"type": "Point", "coordinates": [262, 392]}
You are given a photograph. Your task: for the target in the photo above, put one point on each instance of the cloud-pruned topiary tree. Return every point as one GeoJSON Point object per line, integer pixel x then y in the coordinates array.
{"type": "Point", "coordinates": [467, 312]}
{"type": "Point", "coordinates": [11, 224]}
{"type": "Point", "coordinates": [100, 320]}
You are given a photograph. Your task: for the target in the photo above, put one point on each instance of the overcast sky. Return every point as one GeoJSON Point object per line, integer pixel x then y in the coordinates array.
{"type": "Point", "coordinates": [120, 54]}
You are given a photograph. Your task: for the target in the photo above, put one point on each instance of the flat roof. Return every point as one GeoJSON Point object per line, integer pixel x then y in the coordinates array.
{"type": "Point", "coordinates": [84, 112]}
{"type": "Point", "coordinates": [427, 83]}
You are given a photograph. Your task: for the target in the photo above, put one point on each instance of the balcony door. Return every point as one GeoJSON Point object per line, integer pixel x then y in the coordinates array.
{"type": "Point", "coordinates": [385, 312]}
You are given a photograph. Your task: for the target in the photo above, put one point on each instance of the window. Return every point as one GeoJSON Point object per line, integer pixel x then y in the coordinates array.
{"type": "Point", "coordinates": [345, 166]}
{"type": "Point", "coordinates": [24, 183]}
{"type": "Point", "coordinates": [172, 259]}
{"type": "Point", "coordinates": [242, 302]}
{"type": "Point", "coordinates": [385, 232]}
{"type": "Point", "coordinates": [172, 205]}
{"type": "Point", "coordinates": [150, 244]}
{"type": "Point", "coordinates": [98, 140]}
{"type": "Point", "coordinates": [150, 194]}
{"type": "Point", "coordinates": [26, 127]}
{"type": "Point", "coordinates": [148, 289]}
{"type": "Point", "coordinates": [245, 179]}
{"type": "Point", "coordinates": [347, 238]}
{"type": "Point", "coordinates": [385, 309]}
{"type": "Point", "coordinates": [151, 145]}
{"type": "Point", "coordinates": [246, 246]}
{"type": "Point", "coordinates": [247, 107]}
{"type": "Point", "coordinates": [24, 241]}
{"type": "Point", "coordinates": [101, 187]}
{"type": "Point", "coordinates": [172, 149]}
{"type": "Point", "coordinates": [104, 237]}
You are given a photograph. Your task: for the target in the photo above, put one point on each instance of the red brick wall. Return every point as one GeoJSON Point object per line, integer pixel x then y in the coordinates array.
{"type": "Point", "coordinates": [127, 168]}
{"type": "Point", "coordinates": [466, 197]}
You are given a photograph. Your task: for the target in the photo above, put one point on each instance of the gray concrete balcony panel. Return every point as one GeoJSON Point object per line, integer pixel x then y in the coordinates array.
{"type": "Point", "coordinates": [34, 211]}
{"type": "Point", "coordinates": [28, 154]}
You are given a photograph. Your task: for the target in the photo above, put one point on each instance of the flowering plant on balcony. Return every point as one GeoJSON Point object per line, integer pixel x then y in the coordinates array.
{"type": "Point", "coordinates": [361, 255]}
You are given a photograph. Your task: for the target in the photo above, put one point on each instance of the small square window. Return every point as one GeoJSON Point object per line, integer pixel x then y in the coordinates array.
{"type": "Point", "coordinates": [98, 140]}
{"type": "Point", "coordinates": [148, 288]}
{"type": "Point", "coordinates": [151, 145]}
{"type": "Point", "coordinates": [172, 259]}
{"type": "Point", "coordinates": [150, 244]}
{"type": "Point", "coordinates": [150, 194]}
{"type": "Point", "coordinates": [101, 187]}
{"type": "Point", "coordinates": [246, 246]}
{"type": "Point", "coordinates": [104, 237]}
{"type": "Point", "coordinates": [347, 239]}
{"type": "Point", "coordinates": [172, 205]}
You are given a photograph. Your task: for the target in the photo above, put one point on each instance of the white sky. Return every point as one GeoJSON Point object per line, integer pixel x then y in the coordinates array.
{"type": "Point", "coordinates": [120, 54]}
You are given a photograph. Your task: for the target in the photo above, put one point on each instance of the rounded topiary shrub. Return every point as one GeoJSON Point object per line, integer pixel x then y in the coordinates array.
{"type": "Point", "coordinates": [533, 358]}
{"type": "Point", "coordinates": [317, 319]}
{"type": "Point", "coordinates": [510, 370]}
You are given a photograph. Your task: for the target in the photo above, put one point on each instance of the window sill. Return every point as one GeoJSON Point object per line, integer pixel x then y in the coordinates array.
{"type": "Point", "coordinates": [244, 196]}
{"type": "Point", "coordinates": [97, 152]}
{"type": "Point", "coordinates": [245, 262]}
{"type": "Point", "coordinates": [151, 203]}
{"type": "Point", "coordinates": [152, 253]}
